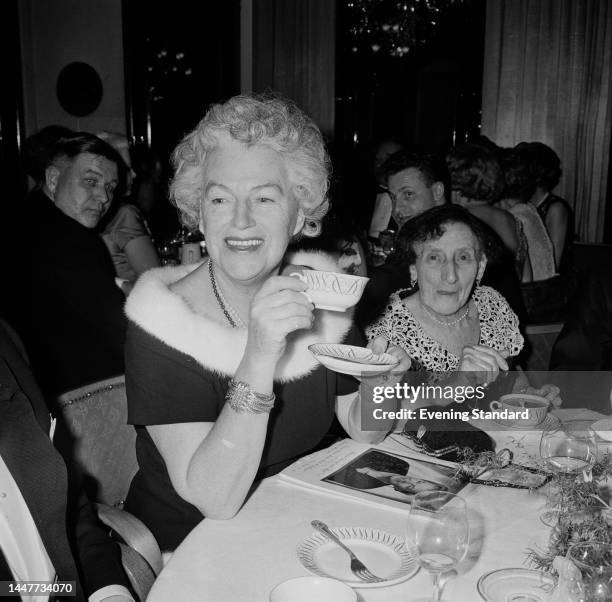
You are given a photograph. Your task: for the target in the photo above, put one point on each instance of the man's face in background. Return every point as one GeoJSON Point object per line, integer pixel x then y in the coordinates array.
{"type": "Point", "coordinates": [411, 195]}
{"type": "Point", "coordinates": [83, 187]}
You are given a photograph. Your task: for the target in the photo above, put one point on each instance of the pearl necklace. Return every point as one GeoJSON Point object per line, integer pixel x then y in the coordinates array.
{"type": "Point", "coordinates": [447, 324]}
{"type": "Point", "coordinates": [230, 313]}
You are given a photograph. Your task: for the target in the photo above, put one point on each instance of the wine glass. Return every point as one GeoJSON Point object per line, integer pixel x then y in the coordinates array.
{"type": "Point", "coordinates": [437, 532]}
{"type": "Point", "coordinates": [568, 449]}
{"type": "Point", "coordinates": [594, 560]}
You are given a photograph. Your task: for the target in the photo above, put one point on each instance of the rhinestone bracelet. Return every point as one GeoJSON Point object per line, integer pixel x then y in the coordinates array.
{"type": "Point", "coordinates": [241, 398]}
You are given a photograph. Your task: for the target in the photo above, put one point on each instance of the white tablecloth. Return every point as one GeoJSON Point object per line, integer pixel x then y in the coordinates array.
{"type": "Point", "coordinates": [242, 559]}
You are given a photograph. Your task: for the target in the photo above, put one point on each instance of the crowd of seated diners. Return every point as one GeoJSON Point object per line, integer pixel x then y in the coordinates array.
{"type": "Point", "coordinates": [221, 388]}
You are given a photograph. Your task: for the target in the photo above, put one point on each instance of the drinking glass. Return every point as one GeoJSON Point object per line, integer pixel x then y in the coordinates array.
{"type": "Point", "coordinates": [437, 532]}
{"type": "Point", "coordinates": [387, 241]}
{"type": "Point", "coordinates": [167, 253]}
{"type": "Point", "coordinates": [568, 449]}
{"type": "Point", "coordinates": [594, 560]}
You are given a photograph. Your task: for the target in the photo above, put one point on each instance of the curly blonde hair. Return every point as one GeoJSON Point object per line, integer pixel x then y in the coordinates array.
{"type": "Point", "coordinates": [262, 119]}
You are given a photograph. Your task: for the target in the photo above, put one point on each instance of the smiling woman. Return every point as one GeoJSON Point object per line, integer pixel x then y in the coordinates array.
{"type": "Point", "coordinates": [249, 212]}
{"type": "Point", "coordinates": [447, 322]}
{"type": "Point", "coordinates": [220, 382]}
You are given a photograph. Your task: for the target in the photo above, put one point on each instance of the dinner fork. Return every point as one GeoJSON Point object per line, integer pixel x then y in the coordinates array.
{"type": "Point", "coordinates": [357, 567]}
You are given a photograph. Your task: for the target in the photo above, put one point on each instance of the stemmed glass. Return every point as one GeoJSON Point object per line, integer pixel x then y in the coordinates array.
{"type": "Point", "coordinates": [568, 449]}
{"type": "Point", "coordinates": [594, 560]}
{"type": "Point", "coordinates": [437, 532]}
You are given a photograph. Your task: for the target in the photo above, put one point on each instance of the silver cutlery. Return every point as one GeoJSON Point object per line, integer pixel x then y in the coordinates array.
{"type": "Point", "coordinates": [357, 567]}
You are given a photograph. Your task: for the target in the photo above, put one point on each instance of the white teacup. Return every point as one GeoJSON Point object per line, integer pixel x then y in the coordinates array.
{"type": "Point", "coordinates": [309, 589]}
{"type": "Point", "coordinates": [536, 406]}
{"type": "Point", "coordinates": [332, 290]}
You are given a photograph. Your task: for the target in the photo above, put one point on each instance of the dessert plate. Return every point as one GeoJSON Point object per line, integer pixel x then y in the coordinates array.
{"type": "Point", "coordinates": [383, 553]}
{"type": "Point", "coordinates": [349, 359]}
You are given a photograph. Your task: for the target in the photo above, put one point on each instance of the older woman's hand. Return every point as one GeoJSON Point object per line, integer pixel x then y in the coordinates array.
{"type": "Point", "coordinates": [484, 362]}
{"type": "Point", "coordinates": [380, 345]}
{"type": "Point", "coordinates": [278, 308]}
{"type": "Point", "coordinates": [549, 391]}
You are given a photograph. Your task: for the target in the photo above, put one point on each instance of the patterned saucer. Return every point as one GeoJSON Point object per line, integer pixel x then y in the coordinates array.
{"type": "Point", "coordinates": [517, 425]}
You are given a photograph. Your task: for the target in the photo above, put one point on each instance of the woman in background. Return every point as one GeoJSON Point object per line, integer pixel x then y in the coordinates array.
{"type": "Point", "coordinates": [556, 213]}
{"type": "Point", "coordinates": [125, 230]}
{"type": "Point", "coordinates": [477, 183]}
{"type": "Point", "coordinates": [519, 187]}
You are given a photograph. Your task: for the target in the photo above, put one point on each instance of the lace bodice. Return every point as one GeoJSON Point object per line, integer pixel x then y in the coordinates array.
{"type": "Point", "coordinates": [539, 246]}
{"type": "Point", "coordinates": [499, 329]}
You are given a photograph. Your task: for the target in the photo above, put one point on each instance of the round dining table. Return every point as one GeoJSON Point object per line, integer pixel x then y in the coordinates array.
{"type": "Point", "coordinates": [244, 558]}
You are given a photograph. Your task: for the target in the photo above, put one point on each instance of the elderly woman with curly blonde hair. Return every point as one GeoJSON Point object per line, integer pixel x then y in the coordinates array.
{"type": "Point", "coordinates": [221, 385]}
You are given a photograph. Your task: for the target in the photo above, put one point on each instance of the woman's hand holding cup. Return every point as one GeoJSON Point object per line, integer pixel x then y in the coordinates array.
{"type": "Point", "coordinates": [278, 309]}
{"type": "Point", "coordinates": [548, 391]}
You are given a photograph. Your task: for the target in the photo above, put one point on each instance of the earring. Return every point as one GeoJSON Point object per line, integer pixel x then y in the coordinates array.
{"type": "Point", "coordinates": [413, 282]}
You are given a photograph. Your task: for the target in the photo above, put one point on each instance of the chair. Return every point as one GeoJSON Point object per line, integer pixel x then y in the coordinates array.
{"type": "Point", "coordinates": [541, 337]}
{"type": "Point", "coordinates": [102, 447]}
{"type": "Point", "coordinates": [96, 416]}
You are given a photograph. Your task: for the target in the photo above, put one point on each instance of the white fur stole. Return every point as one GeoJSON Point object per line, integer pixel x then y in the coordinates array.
{"type": "Point", "coordinates": [218, 347]}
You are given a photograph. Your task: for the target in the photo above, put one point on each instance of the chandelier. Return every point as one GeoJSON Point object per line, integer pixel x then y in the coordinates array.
{"type": "Point", "coordinates": [391, 26]}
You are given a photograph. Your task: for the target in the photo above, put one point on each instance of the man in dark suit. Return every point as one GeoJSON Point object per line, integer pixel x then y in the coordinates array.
{"type": "Point", "coordinates": [71, 311]}
{"type": "Point", "coordinates": [46, 531]}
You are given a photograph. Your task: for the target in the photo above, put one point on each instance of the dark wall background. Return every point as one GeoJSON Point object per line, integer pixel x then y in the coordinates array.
{"type": "Point", "coordinates": [55, 34]}
{"type": "Point", "coordinates": [181, 56]}
{"type": "Point", "coordinates": [429, 99]}
{"type": "Point", "coordinates": [11, 131]}
{"type": "Point", "coordinates": [294, 48]}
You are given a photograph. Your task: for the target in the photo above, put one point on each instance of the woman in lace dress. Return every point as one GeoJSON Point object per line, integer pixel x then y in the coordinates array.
{"type": "Point", "coordinates": [446, 322]}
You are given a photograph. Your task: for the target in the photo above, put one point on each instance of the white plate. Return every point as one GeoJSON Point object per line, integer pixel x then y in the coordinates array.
{"type": "Point", "coordinates": [349, 359]}
{"type": "Point", "coordinates": [384, 554]}
{"type": "Point", "coordinates": [515, 584]}
{"type": "Point", "coordinates": [548, 422]}
{"type": "Point", "coordinates": [603, 428]}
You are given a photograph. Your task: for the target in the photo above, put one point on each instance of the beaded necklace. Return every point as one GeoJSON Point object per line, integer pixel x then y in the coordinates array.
{"type": "Point", "coordinates": [226, 308]}
{"type": "Point", "coordinates": [447, 324]}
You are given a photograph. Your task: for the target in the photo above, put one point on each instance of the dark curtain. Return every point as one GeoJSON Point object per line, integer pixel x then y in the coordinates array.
{"type": "Point", "coordinates": [294, 54]}
{"type": "Point", "coordinates": [548, 78]}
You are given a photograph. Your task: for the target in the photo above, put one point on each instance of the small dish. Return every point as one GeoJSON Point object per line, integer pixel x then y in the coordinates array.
{"type": "Point", "coordinates": [547, 423]}
{"type": "Point", "coordinates": [306, 589]}
{"type": "Point", "coordinates": [506, 585]}
{"type": "Point", "coordinates": [383, 553]}
{"type": "Point", "coordinates": [349, 359]}
{"type": "Point", "coordinates": [603, 428]}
